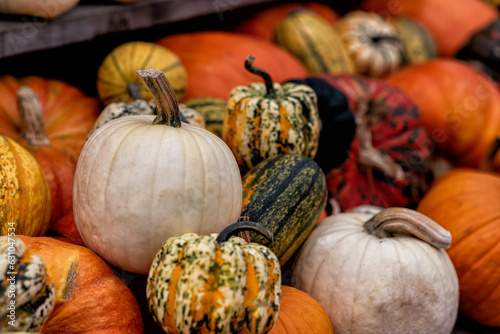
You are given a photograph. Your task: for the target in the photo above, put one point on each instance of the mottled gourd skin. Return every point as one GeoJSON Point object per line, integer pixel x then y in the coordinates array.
{"type": "Point", "coordinates": [33, 292]}
{"type": "Point", "coordinates": [257, 127]}
{"type": "Point", "coordinates": [286, 194]}
{"type": "Point", "coordinates": [24, 191]}
{"type": "Point", "coordinates": [197, 285]}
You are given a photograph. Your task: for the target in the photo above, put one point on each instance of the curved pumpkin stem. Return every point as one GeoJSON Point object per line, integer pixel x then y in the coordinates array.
{"type": "Point", "coordinates": [33, 128]}
{"type": "Point", "coordinates": [408, 222]}
{"type": "Point", "coordinates": [244, 226]}
{"type": "Point", "coordinates": [270, 92]}
{"type": "Point", "coordinates": [164, 96]}
{"type": "Point", "coordinates": [488, 163]}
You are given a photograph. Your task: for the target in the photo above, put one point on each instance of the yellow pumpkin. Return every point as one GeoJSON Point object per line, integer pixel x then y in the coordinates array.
{"type": "Point", "coordinates": [25, 203]}
{"type": "Point", "coordinates": [117, 79]}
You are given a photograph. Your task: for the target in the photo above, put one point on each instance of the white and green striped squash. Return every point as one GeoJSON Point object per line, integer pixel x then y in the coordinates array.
{"type": "Point", "coordinates": [214, 284]}
{"type": "Point", "coordinates": [25, 287]}
{"type": "Point", "coordinates": [314, 41]}
{"type": "Point", "coordinates": [263, 121]}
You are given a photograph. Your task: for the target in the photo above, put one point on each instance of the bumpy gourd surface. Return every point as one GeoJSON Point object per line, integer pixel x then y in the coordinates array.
{"type": "Point", "coordinates": [198, 285]}
{"type": "Point", "coordinates": [33, 291]}
{"type": "Point", "coordinates": [257, 128]}
{"type": "Point", "coordinates": [24, 192]}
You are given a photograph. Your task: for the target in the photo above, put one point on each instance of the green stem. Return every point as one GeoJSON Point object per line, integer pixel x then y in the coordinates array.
{"type": "Point", "coordinates": [244, 226]}
{"type": "Point", "coordinates": [164, 96]}
{"type": "Point", "coordinates": [270, 92]}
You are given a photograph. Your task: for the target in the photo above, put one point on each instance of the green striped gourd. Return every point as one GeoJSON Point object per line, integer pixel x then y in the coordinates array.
{"type": "Point", "coordinates": [27, 295]}
{"type": "Point", "coordinates": [117, 79]}
{"type": "Point", "coordinates": [215, 284]}
{"type": "Point", "coordinates": [286, 194]}
{"type": "Point", "coordinates": [212, 109]}
{"type": "Point", "coordinates": [262, 121]}
{"type": "Point", "coordinates": [418, 44]}
{"type": "Point", "coordinates": [314, 42]}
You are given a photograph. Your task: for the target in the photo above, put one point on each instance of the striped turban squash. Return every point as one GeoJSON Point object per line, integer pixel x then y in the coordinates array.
{"type": "Point", "coordinates": [263, 121]}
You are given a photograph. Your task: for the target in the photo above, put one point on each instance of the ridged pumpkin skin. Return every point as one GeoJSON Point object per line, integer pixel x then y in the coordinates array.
{"type": "Point", "coordinates": [214, 61]}
{"type": "Point", "coordinates": [69, 116]}
{"type": "Point", "coordinates": [372, 43]}
{"type": "Point", "coordinates": [212, 109]}
{"type": "Point", "coordinates": [371, 282]}
{"type": "Point", "coordinates": [459, 107]}
{"type": "Point", "coordinates": [199, 285]}
{"type": "Point", "coordinates": [264, 23]}
{"type": "Point", "coordinates": [301, 314]}
{"type": "Point", "coordinates": [117, 73]}
{"type": "Point", "coordinates": [314, 41]}
{"type": "Point", "coordinates": [287, 195]}
{"type": "Point", "coordinates": [257, 127]}
{"type": "Point", "coordinates": [418, 44]}
{"type": "Point", "coordinates": [450, 22]}
{"type": "Point", "coordinates": [25, 199]}
{"type": "Point", "coordinates": [464, 201]}
{"type": "Point", "coordinates": [393, 129]}
{"type": "Point", "coordinates": [24, 281]}
{"type": "Point", "coordinates": [86, 288]}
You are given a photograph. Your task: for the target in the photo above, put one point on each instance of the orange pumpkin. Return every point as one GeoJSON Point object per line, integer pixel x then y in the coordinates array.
{"type": "Point", "coordinates": [214, 61]}
{"type": "Point", "coordinates": [459, 107]}
{"type": "Point", "coordinates": [89, 297]}
{"type": "Point", "coordinates": [264, 23]}
{"type": "Point", "coordinates": [450, 22]}
{"type": "Point", "coordinates": [68, 116]}
{"type": "Point", "coordinates": [300, 313]}
{"type": "Point", "coordinates": [466, 203]}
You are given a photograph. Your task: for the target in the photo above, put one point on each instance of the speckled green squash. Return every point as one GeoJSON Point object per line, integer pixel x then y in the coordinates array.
{"type": "Point", "coordinates": [141, 107]}
{"type": "Point", "coordinates": [263, 121]}
{"type": "Point", "coordinates": [314, 41]}
{"type": "Point", "coordinates": [32, 291]}
{"type": "Point", "coordinates": [198, 284]}
{"type": "Point", "coordinates": [418, 44]}
{"type": "Point", "coordinates": [287, 195]}
{"type": "Point", "coordinates": [212, 109]}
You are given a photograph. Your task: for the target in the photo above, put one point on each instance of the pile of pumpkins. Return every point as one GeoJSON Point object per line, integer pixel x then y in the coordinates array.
{"type": "Point", "coordinates": [308, 173]}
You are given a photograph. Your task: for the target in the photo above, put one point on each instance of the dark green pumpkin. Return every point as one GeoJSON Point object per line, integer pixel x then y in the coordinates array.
{"type": "Point", "coordinates": [286, 194]}
{"type": "Point", "coordinates": [314, 42]}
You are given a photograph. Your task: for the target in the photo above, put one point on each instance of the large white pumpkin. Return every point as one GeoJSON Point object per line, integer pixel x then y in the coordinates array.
{"type": "Point", "coordinates": [372, 273]}
{"type": "Point", "coordinates": [139, 182]}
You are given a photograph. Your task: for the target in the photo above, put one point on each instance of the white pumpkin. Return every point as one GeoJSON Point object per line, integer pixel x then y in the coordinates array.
{"type": "Point", "coordinates": [141, 180]}
{"type": "Point", "coordinates": [383, 273]}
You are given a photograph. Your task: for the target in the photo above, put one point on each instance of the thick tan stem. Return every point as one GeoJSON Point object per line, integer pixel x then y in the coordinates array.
{"type": "Point", "coordinates": [368, 155]}
{"type": "Point", "coordinates": [164, 96]}
{"type": "Point", "coordinates": [404, 221]}
{"type": "Point", "coordinates": [32, 119]}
